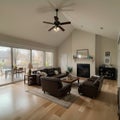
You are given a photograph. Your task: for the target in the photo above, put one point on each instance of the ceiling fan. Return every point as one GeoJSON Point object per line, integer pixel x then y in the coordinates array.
{"type": "Point", "coordinates": [57, 24]}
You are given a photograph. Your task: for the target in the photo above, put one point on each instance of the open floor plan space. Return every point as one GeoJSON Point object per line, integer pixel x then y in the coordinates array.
{"type": "Point", "coordinates": [17, 104]}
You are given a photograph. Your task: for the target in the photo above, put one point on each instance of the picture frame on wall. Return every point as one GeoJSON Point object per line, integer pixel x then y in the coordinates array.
{"type": "Point", "coordinates": [82, 53]}
{"type": "Point", "coordinates": [107, 58]}
{"type": "Point", "coordinates": [107, 54]}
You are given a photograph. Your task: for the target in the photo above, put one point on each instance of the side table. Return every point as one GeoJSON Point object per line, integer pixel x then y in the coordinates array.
{"type": "Point", "coordinates": [31, 79]}
{"type": "Point", "coordinates": [25, 78]}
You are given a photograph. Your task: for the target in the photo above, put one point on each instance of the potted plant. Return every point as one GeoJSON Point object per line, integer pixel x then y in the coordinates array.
{"type": "Point", "coordinates": [69, 69]}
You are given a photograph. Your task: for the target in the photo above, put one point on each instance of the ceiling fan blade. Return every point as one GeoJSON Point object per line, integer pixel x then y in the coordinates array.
{"type": "Point", "coordinates": [65, 3]}
{"type": "Point", "coordinates": [67, 9]}
{"type": "Point", "coordinates": [69, 5]}
{"type": "Point", "coordinates": [61, 28]}
{"type": "Point", "coordinates": [64, 23]}
{"type": "Point", "coordinates": [48, 22]}
{"type": "Point", "coordinates": [51, 28]}
{"type": "Point", "coordinates": [51, 4]}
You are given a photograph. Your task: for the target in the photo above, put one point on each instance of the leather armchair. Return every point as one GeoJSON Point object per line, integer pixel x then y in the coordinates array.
{"type": "Point", "coordinates": [91, 87]}
{"type": "Point", "coordinates": [54, 86]}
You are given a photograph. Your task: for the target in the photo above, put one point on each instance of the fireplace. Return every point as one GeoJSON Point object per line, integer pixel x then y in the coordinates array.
{"type": "Point", "coordinates": [83, 70]}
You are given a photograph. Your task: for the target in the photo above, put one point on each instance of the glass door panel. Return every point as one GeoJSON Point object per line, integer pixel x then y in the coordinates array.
{"type": "Point", "coordinates": [37, 59]}
{"type": "Point", "coordinates": [5, 65]}
{"type": "Point", "coordinates": [21, 59]}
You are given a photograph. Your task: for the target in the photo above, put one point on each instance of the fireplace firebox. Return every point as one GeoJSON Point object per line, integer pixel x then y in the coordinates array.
{"type": "Point", "coordinates": [83, 70]}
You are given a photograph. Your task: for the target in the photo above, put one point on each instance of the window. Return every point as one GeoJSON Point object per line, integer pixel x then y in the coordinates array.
{"type": "Point", "coordinates": [37, 58]}
{"type": "Point", "coordinates": [21, 57]}
{"type": "Point", "coordinates": [5, 65]}
{"type": "Point", "coordinates": [49, 59]}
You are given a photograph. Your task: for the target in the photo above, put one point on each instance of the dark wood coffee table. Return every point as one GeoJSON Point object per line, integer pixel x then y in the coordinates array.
{"type": "Point", "coordinates": [71, 80]}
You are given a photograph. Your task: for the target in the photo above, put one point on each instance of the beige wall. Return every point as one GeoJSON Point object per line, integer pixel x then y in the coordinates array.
{"type": "Point", "coordinates": [102, 45]}
{"type": "Point", "coordinates": [118, 64]}
{"type": "Point", "coordinates": [96, 45]}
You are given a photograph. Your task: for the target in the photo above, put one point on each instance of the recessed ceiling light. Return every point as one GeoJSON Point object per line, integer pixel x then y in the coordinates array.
{"type": "Point", "coordinates": [101, 28]}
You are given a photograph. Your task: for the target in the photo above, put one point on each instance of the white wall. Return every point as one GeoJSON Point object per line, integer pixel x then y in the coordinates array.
{"type": "Point", "coordinates": [78, 40]}
{"type": "Point", "coordinates": [83, 40]}
{"type": "Point", "coordinates": [102, 45]}
{"type": "Point", "coordinates": [65, 54]}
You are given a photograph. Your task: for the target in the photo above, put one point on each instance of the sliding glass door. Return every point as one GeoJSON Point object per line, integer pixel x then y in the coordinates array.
{"type": "Point", "coordinates": [5, 65]}
{"type": "Point", "coordinates": [21, 59]}
{"type": "Point", "coordinates": [48, 59]}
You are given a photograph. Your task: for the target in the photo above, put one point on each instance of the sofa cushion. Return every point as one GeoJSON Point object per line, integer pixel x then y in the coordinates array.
{"type": "Point", "coordinates": [60, 75]}
{"type": "Point", "coordinates": [57, 81]}
{"type": "Point", "coordinates": [50, 72]}
{"type": "Point", "coordinates": [96, 83]}
{"type": "Point", "coordinates": [56, 72]}
{"type": "Point", "coordinates": [88, 83]}
{"type": "Point", "coordinates": [58, 69]}
{"type": "Point", "coordinates": [44, 74]}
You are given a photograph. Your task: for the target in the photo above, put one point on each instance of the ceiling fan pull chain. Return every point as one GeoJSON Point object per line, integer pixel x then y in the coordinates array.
{"type": "Point", "coordinates": [57, 12]}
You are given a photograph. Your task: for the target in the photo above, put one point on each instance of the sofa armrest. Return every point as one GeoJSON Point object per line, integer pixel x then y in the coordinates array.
{"type": "Point", "coordinates": [88, 90]}
{"type": "Point", "coordinates": [66, 86]}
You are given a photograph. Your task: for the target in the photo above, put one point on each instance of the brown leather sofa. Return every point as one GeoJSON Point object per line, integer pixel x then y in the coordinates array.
{"type": "Point", "coordinates": [51, 72]}
{"type": "Point", "coordinates": [91, 87]}
{"type": "Point", "coordinates": [55, 87]}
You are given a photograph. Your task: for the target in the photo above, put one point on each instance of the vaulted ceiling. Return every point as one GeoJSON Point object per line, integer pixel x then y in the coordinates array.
{"type": "Point", "coordinates": [24, 18]}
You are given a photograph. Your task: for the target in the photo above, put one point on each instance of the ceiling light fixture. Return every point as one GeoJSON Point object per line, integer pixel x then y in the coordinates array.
{"type": "Point", "coordinates": [57, 25]}
{"type": "Point", "coordinates": [56, 29]}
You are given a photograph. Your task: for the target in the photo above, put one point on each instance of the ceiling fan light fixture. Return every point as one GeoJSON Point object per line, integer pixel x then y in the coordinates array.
{"type": "Point", "coordinates": [56, 29]}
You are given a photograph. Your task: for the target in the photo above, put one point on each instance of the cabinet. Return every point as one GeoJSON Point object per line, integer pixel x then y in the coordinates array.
{"type": "Point", "coordinates": [108, 73]}
{"type": "Point", "coordinates": [118, 101]}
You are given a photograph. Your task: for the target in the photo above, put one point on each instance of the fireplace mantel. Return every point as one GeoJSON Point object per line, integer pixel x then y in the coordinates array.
{"type": "Point", "coordinates": [83, 59]}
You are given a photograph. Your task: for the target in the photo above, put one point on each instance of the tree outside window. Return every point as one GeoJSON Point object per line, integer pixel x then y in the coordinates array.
{"type": "Point", "coordinates": [37, 59]}
{"type": "Point", "coordinates": [49, 59]}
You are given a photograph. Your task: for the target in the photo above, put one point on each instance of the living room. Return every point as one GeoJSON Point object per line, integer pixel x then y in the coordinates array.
{"type": "Point", "coordinates": [22, 27]}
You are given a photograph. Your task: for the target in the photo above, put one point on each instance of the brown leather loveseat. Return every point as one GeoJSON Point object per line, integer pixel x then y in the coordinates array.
{"type": "Point", "coordinates": [91, 87]}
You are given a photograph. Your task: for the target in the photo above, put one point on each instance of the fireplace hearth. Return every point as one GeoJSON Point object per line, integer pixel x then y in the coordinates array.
{"type": "Point", "coordinates": [83, 70]}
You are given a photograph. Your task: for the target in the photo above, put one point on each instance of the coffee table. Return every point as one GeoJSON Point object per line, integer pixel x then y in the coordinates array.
{"type": "Point", "coordinates": [70, 80]}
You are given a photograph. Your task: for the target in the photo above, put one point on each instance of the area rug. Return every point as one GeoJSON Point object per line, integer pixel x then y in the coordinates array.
{"type": "Point", "coordinates": [65, 101]}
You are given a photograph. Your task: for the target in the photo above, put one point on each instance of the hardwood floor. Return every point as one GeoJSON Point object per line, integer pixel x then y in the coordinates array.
{"type": "Point", "coordinates": [16, 104]}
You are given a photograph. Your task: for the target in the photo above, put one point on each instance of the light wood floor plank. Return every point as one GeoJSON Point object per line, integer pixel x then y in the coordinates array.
{"type": "Point", "coordinates": [16, 104]}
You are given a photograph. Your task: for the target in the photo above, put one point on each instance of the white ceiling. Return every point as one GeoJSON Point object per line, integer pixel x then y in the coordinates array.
{"type": "Point", "coordinates": [23, 18]}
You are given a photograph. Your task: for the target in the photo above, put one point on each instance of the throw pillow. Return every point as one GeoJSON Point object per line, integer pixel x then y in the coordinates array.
{"type": "Point", "coordinates": [43, 74]}
{"type": "Point", "coordinates": [56, 72]}
{"type": "Point", "coordinates": [38, 72]}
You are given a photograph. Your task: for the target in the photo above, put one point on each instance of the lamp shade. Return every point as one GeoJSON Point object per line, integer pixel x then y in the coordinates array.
{"type": "Point", "coordinates": [30, 66]}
